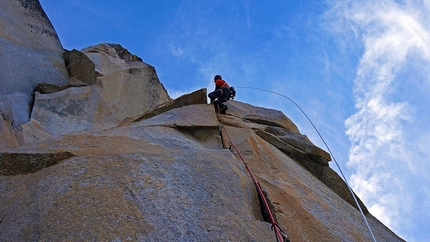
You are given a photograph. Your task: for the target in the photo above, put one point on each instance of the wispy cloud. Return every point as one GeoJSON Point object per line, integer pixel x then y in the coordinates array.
{"type": "Point", "coordinates": [393, 35]}
{"type": "Point", "coordinates": [176, 51]}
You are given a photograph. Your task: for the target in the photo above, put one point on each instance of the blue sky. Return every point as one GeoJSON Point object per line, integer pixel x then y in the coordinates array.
{"type": "Point", "coordinates": [359, 69]}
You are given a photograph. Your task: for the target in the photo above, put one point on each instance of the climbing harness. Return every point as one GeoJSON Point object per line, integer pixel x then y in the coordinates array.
{"type": "Point", "coordinates": [281, 236]}
{"type": "Point", "coordinates": [334, 159]}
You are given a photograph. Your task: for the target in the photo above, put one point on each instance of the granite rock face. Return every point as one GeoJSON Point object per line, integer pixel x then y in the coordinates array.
{"type": "Point", "coordinates": [196, 97]}
{"type": "Point", "coordinates": [111, 157]}
{"type": "Point", "coordinates": [105, 105]}
{"type": "Point", "coordinates": [22, 163]}
{"type": "Point", "coordinates": [30, 53]}
{"type": "Point", "coordinates": [172, 177]}
{"type": "Point", "coordinates": [115, 96]}
{"type": "Point", "coordinates": [109, 58]}
{"type": "Point", "coordinates": [10, 135]}
{"type": "Point", "coordinates": [80, 68]}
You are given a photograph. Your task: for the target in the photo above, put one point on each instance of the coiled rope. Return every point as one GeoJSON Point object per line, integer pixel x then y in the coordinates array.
{"type": "Point", "coordinates": [281, 236]}
{"type": "Point", "coordinates": [334, 159]}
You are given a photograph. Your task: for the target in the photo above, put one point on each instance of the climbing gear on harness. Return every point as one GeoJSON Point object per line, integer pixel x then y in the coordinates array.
{"type": "Point", "coordinates": [233, 93]}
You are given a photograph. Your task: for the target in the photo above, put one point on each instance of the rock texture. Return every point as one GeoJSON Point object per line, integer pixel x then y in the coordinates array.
{"type": "Point", "coordinates": [114, 97]}
{"type": "Point", "coordinates": [10, 135]}
{"type": "Point", "coordinates": [169, 177]}
{"type": "Point", "coordinates": [197, 97]}
{"type": "Point", "coordinates": [30, 53]}
{"type": "Point", "coordinates": [19, 163]}
{"type": "Point", "coordinates": [80, 68]}
{"type": "Point", "coordinates": [110, 58]}
{"type": "Point", "coordinates": [116, 159]}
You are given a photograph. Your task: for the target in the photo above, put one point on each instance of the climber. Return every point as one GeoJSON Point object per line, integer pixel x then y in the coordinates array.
{"type": "Point", "coordinates": [222, 93]}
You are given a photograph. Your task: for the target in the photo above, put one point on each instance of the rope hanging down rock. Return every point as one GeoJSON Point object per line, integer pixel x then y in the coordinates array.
{"type": "Point", "coordinates": [328, 148]}
{"type": "Point", "coordinates": [281, 236]}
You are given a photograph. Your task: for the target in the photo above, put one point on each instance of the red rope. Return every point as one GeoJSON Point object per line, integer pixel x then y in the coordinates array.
{"type": "Point", "coordinates": [280, 235]}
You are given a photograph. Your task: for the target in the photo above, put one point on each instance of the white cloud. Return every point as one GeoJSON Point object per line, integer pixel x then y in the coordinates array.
{"type": "Point", "coordinates": [176, 51]}
{"type": "Point", "coordinates": [382, 151]}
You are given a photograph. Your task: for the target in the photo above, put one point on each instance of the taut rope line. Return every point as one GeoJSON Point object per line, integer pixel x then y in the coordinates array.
{"type": "Point", "coordinates": [334, 159]}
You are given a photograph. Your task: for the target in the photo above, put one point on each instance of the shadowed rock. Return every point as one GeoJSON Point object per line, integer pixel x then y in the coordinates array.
{"type": "Point", "coordinates": [21, 163]}
{"type": "Point", "coordinates": [46, 88]}
{"type": "Point", "coordinates": [80, 67]}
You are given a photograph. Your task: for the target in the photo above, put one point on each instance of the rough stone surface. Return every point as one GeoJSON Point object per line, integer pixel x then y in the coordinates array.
{"type": "Point", "coordinates": [302, 150]}
{"type": "Point", "coordinates": [301, 142]}
{"type": "Point", "coordinates": [109, 58]}
{"type": "Point", "coordinates": [185, 117]}
{"type": "Point", "coordinates": [30, 53]}
{"type": "Point", "coordinates": [10, 133]}
{"type": "Point", "coordinates": [80, 67]}
{"type": "Point", "coordinates": [72, 173]}
{"type": "Point", "coordinates": [46, 88]}
{"type": "Point", "coordinates": [319, 169]}
{"type": "Point", "coordinates": [135, 182]}
{"type": "Point", "coordinates": [21, 163]}
{"type": "Point", "coordinates": [197, 97]}
{"type": "Point", "coordinates": [304, 207]}
{"type": "Point", "coordinates": [115, 97]}
{"type": "Point", "coordinates": [168, 177]}
{"type": "Point", "coordinates": [132, 91]}
{"type": "Point", "coordinates": [260, 115]}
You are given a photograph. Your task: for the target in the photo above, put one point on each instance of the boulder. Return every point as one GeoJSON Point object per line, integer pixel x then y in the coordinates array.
{"type": "Point", "coordinates": [30, 53]}
{"type": "Point", "coordinates": [169, 172]}
{"type": "Point", "coordinates": [33, 131]}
